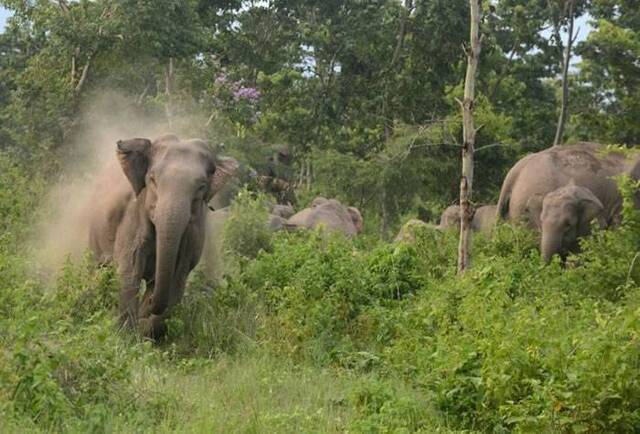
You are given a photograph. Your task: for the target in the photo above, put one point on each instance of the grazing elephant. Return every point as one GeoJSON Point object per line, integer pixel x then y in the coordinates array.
{"type": "Point", "coordinates": [484, 218]}
{"type": "Point", "coordinates": [450, 217]}
{"type": "Point", "coordinates": [587, 165]}
{"type": "Point", "coordinates": [408, 230]}
{"type": "Point", "coordinates": [150, 220]}
{"type": "Point", "coordinates": [284, 211]}
{"type": "Point", "coordinates": [566, 215]}
{"type": "Point", "coordinates": [328, 213]}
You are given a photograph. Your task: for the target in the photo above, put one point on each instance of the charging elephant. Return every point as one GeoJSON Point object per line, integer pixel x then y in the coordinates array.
{"type": "Point", "coordinates": [150, 221]}
{"type": "Point", "coordinates": [329, 213]}
{"type": "Point", "coordinates": [587, 165]}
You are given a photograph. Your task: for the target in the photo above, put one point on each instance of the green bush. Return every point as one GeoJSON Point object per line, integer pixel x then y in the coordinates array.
{"type": "Point", "coordinates": [245, 231]}
{"type": "Point", "coordinates": [513, 345]}
{"type": "Point", "coordinates": [63, 363]}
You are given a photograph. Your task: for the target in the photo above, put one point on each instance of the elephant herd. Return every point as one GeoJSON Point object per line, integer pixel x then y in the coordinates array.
{"type": "Point", "coordinates": [558, 192]}
{"type": "Point", "coordinates": [152, 217]}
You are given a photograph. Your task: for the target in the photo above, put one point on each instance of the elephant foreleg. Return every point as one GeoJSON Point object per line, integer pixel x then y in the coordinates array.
{"type": "Point", "coordinates": [131, 268]}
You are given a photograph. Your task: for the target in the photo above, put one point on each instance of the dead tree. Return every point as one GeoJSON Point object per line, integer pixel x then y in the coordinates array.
{"type": "Point", "coordinates": [469, 137]}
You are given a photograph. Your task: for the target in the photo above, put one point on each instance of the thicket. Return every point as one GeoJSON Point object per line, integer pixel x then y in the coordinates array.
{"type": "Point", "coordinates": [515, 345]}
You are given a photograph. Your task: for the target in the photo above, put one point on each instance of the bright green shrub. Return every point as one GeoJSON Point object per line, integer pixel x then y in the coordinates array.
{"type": "Point", "coordinates": [63, 363]}
{"type": "Point", "coordinates": [213, 319]}
{"type": "Point", "coordinates": [513, 345]}
{"type": "Point", "coordinates": [245, 231]}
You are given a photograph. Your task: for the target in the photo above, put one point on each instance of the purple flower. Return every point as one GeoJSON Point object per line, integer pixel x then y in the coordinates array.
{"type": "Point", "coordinates": [250, 94]}
{"type": "Point", "coordinates": [221, 79]}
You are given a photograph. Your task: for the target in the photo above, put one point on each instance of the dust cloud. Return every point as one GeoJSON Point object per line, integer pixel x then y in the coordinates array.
{"type": "Point", "coordinates": [108, 117]}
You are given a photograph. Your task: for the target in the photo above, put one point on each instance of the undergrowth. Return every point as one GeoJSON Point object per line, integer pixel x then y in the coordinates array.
{"type": "Point", "coordinates": [309, 332]}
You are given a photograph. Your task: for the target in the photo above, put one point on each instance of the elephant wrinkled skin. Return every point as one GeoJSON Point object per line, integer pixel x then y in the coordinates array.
{"type": "Point", "coordinates": [150, 221]}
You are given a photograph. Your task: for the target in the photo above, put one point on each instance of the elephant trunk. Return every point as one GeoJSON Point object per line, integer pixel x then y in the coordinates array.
{"type": "Point", "coordinates": [171, 223]}
{"type": "Point", "coordinates": [550, 244]}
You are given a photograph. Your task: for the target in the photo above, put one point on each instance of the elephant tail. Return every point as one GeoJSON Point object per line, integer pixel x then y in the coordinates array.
{"type": "Point", "coordinates": [502, 208]}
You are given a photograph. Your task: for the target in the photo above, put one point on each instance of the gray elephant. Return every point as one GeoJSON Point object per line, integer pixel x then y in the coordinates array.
{"type": "Point", "coordinates": [484, 218]}
{"type": "Point", "coordinates": [150, 221]}
{"type": "Point", "coordinates": [566, 215]}
{"type": "Point", "coordinates": [330, 214]}
{"type": "Point", "coordinates": [587, 165]}
{"type": "Point", "coordinates": [284, 211]}
{"type": "Point", "coordinates": [407, 233]}
{"type": "Point", "coordinates": [450, 217]}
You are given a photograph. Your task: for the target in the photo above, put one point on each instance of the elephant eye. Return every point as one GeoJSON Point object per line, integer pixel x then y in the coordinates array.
{"type": "Point", "coordinates": [152, 179]}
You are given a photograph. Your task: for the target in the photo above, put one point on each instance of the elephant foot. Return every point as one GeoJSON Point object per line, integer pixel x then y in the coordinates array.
{"type": "Point", "coordinates": [153, 326]}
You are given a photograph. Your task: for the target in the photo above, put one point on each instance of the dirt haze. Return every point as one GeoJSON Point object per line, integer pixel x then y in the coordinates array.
{"type": "Point", "coordinates": [108, 117]}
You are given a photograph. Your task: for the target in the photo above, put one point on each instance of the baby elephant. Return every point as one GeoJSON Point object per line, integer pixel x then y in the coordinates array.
{"type": "Point", "coordinates": [484, 218]}
{"type": "Point", "coordinates": [330, 214]}
{"type": "Point", "coordinates": [566, 216]}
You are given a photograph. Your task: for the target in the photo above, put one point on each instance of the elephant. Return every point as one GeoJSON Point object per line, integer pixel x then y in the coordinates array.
{"type": "Point", "coordinates": [275, 177]}
{"type": "Point", "coordinates": [484, 218]}
{"type": "Point", "coordinates": [450, 217]}
{"type": "Point", "coordinates": [284, 211]}
{"type": "Point", "coordinates": [584, 164]}
{"type": "Point", "coordinates": [329, 213]}
{"type": "Point", "coordinates": [566, 215]}
{"type": "Point", "coordinates": [407, 231]}
{"type": "Point", "coordinates": [150, 221]}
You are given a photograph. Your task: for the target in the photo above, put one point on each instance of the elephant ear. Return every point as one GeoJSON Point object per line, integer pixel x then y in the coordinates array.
{"type": "Point", "coordinates": [590, 207]}
{"type": "Point", "coordinates": [225, 169]}
{"type": "Point", "coordinates": [356, 218]}
{"type": "Point", "coordinates": [134, 156]}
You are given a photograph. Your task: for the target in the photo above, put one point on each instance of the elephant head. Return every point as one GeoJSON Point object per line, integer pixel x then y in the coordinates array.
{"type": "Point", "coordinates": [356, 218]}
{"type": "Point", "coordinates": [173, 180]}
{"type": "Point", "coordinates": [450, 217]}
{"type": "Point", "coordinates": [566, 215]}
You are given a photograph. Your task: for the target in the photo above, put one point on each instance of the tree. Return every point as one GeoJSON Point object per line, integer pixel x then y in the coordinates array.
{"type": "Point", "coordinates": [469, 137]}
{"type": "Point", "coordinates": [564, 104]}
{"type": "Point", "coordinates": [607, 92]}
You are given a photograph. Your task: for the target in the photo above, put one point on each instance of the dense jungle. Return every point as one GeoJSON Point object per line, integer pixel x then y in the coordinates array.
{"type": "Point", "coordinates": [239, 216]}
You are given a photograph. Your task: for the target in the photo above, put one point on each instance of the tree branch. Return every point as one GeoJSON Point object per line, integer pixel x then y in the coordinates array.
{"type": "Point", "coordinates": [83, 76]}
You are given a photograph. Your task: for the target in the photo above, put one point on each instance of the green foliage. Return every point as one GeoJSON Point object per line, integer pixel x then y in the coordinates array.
{"type": "Point", "coordinates": [245, 231]}
{"type": "Point", "coordinates": [63, 363]}
{"type": "Point", "coordinates": [514, 345]}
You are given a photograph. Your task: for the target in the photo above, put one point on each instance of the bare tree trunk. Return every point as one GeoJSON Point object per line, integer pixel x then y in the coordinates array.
{"type": "Point", "coordinates": [168, 82]}
{"type": "Point", "coordinates": [469, 133]}
{"type": "Point", "coordinates": [83, 76]}
{"type": "Point", "coordinates": [565, 74]}
{"type": "Point", "coordinates": [309, 174]}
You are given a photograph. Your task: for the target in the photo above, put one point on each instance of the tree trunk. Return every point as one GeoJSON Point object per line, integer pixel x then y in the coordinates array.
{"type": "Point", "coordinates": [469, 138]}
{"type": "Point", "coordinates": [168, 82]}
{"type": "Point", "coordinates": [565, 74]}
